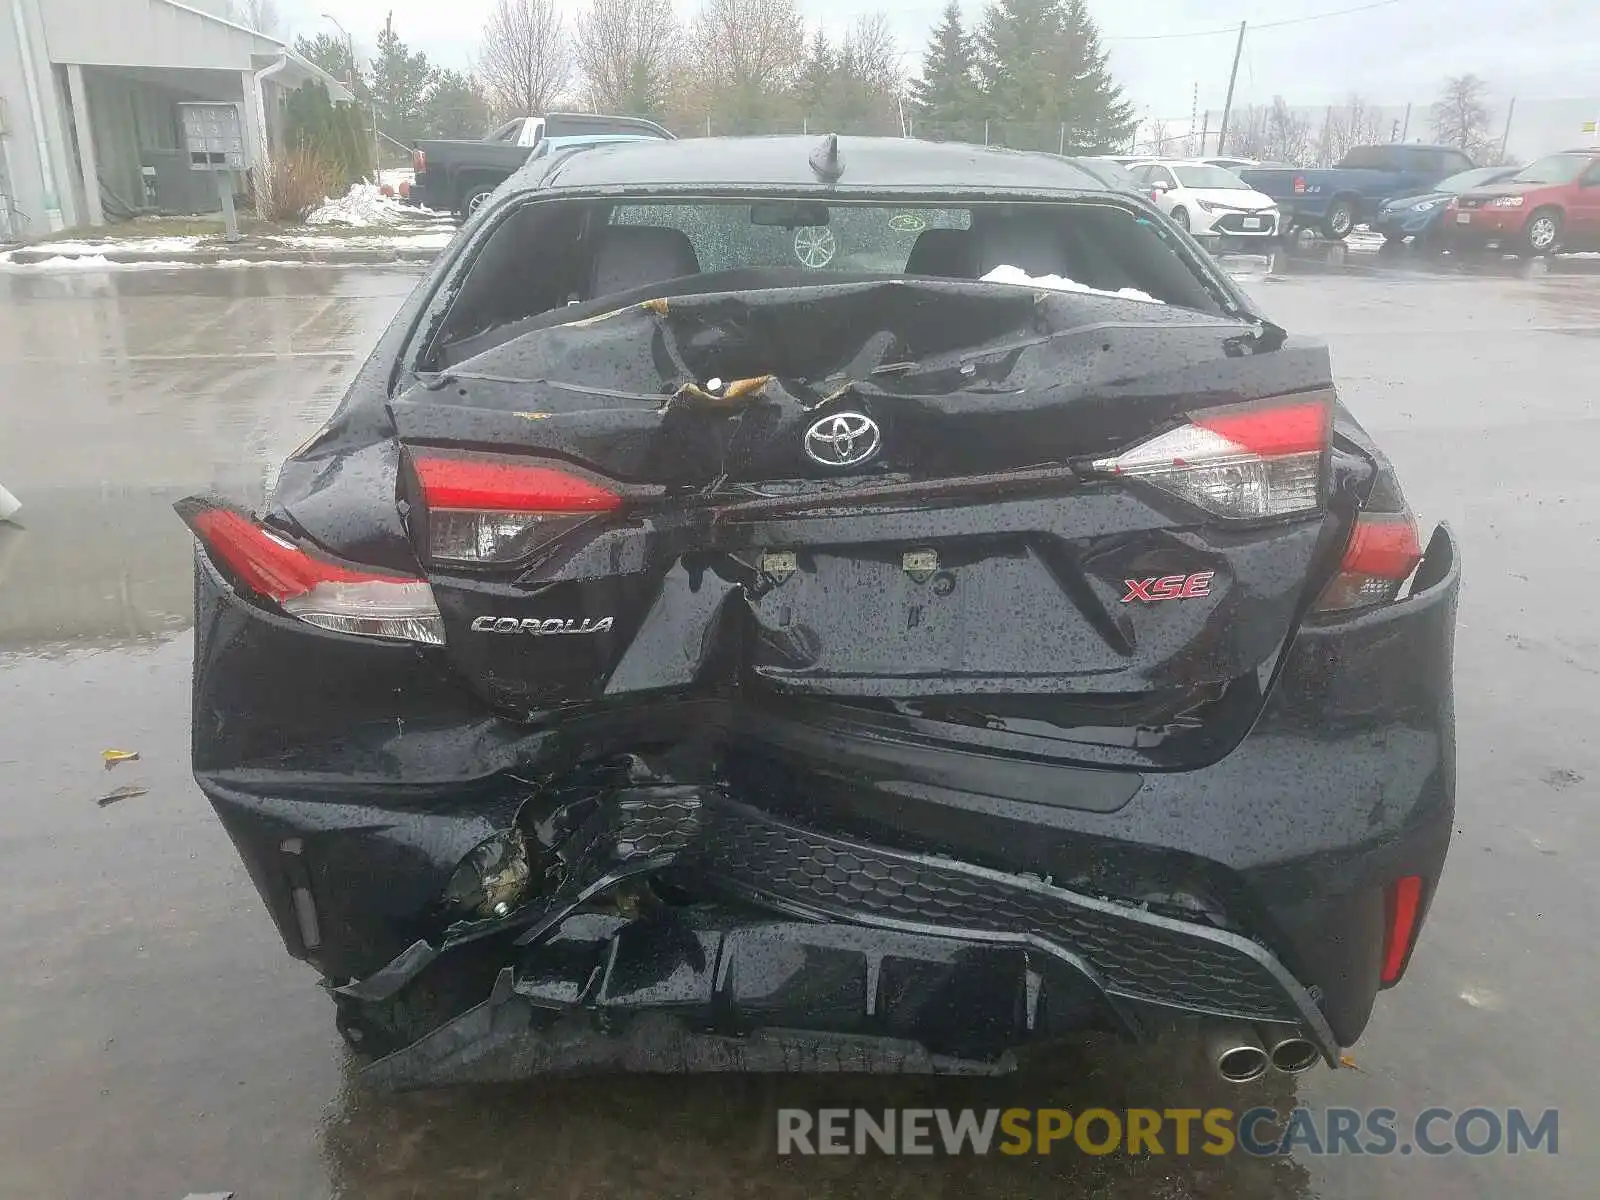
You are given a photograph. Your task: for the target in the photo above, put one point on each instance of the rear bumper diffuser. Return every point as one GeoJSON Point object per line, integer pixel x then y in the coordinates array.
{"type": "Point", "coordinates": [820, 953]}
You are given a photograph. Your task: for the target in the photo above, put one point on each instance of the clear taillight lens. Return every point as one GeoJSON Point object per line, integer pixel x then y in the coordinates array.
{"type": "Point", "coordinates": [1246, 462]}
{"type": "Point", "coordinates": [403, 610]}
{"type": "Point", "coordinates": [315, 589]}
{"type": "Point", "coordinates": [478, 537]}
{"type": "Point", "coordinates": [488, 508]}
{"type": "Point", "coordinates": [1383, 550]}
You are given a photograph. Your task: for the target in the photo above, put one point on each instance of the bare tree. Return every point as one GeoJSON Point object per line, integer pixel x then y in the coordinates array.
{"type": "Point", "coordinates": [1247, 135]}
{"type": "Point", "coordinates": [526, 58]}
{"type": "Point", "coordinates": [260, 15]}
{"type": "Point", "coordinates": [1288, 134]}
{"type": "Point", "coordinates": [870, 56]}
{"type": "Point", "coordinates": [865, 86]}
{"type": "Point", "coordinates": [747, 56]}
{"type": "Point", "coordinates": [1158, 137]}
{"type": "Point", "coordinates": [1356, 124]}
{"type": "Point", "coordinates": [1461, 114]}
{"type": "Point", "coordinates": [627, 51]}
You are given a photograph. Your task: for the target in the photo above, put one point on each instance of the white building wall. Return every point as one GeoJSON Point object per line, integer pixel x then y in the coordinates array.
{"type": "Point", "coordinates": [33, 150]}
{"type": "Point", "coordinates": [147, 33]}
{"type": "Point", "coordinates": [22, 205]}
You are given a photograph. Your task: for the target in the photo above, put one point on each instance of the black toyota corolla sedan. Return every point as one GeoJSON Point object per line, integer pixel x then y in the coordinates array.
{"type": "Point", "coordinates": [842, 604]}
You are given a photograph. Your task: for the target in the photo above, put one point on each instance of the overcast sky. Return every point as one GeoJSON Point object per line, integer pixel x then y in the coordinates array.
{"type": "Point", "coordinates": [1393, 52]}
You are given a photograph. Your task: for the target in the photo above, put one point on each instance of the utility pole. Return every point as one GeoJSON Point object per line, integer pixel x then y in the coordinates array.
{"type": "Point", "coordinates": [1227, 105]}
{"type": "Point", "coordinates": [1505, 138]}
{"type": "Point", "coordinates": [350, 47]}
{"type": "Point", "coordinates": [1194, 116]}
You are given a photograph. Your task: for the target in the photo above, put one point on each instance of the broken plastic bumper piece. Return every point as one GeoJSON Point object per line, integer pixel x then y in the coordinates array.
{"type": "Point", "coordinates": [814, 953]}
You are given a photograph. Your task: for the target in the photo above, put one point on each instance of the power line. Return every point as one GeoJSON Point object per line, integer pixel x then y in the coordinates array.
{"type": "Point", "coordinates": [1233, 29]}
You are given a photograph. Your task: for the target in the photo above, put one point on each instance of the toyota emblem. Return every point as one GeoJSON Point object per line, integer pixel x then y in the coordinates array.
{"type": "Point", "coordinates": [844, 439]}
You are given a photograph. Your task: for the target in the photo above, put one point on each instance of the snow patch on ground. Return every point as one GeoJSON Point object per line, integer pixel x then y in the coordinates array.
{"type": "Point", "coordinates": [1059, 283]}
{"type": "Point", "coordinates": [424, 238]}
{"type": "Point", "coordinates": [87, 262]}
{"type": "Point", "coordinates": [364, 204]}
{"type": "Point", "coordinates": [66, 264]}
{"type": "Point", "coordinates": [145, 245]}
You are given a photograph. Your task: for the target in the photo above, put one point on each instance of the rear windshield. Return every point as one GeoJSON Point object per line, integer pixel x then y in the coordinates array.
{"type": "Point", "coordinates": [1209, 177]}
{"type": "Point", "coordinates": [1370, 158]}
{"type": "Point", "coordinates": [556, 260]}
{"type": "Point", "coordinates": [853, 239]}
{"type": "Point", "coordinates": [1557, 168]}
{"type": "Point", "coordinates": [1476, 177]}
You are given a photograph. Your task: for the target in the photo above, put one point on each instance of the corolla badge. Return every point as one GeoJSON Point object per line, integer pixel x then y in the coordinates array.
{"type": "Point", "coordinates": [540, 628]}
{"type": "Point", "coordinates": [844, 439]}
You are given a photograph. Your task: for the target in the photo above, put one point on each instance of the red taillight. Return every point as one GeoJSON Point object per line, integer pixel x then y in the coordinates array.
{"type": "Point", "coordinates": [309, 586]}
{"type": "Point", "coordinates": [1264, 459]}
{"type": "Point", "coordinates": [1383, 550]}
{"type": "Point", "coordinates": [501, 484]}
{"type": "Point", "coordinates": [489, 508]}
{"type": "Point", "coordinates": [267, 564]}
{"type": "Point", "coordinates": [1403, 904]}
{"type": "Point", "coordinates": [419, 161]}
{"type": "Point", "coordinates": [1285, 429]}
{"type": "Point", "coordinates": [1299, 185]}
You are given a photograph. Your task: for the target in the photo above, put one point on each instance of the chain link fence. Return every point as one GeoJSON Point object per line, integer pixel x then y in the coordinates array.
{"type": "Point", "coordinates": [1307, 135]}
{"type": "Point", "coordinates": [1056, 137]}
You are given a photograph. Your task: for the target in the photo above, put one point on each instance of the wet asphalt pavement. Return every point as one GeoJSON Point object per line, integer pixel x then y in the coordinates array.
{"type": "Point", "coordinates": [156, 1041]}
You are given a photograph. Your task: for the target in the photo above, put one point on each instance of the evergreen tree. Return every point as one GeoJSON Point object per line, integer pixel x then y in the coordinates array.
{"type": "Point", "coordinates": [819, 78]}
{"type": "Point", "coordinates": [1040, 63]}
{"type": "Point", "coordinates": [332, 132]}
{"type": "Point", "coordinates": [1019, 53]}
{"type": "Point", "coordinates": [455, 107]}
{"type": "Point", "coordinates": [332, 54]}
{"type": "Point", "coordinates": [947, 91]}
{"type": "Point", "coordinates": [400, 82]}
{"type": "Point", "coordinates": [1097, 115]}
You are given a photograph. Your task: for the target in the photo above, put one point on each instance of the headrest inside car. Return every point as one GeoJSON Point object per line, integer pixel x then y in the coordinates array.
{"type": "Point", "coordinates": [951, 253]}
{"type": "Point", "coordinates": [632, 256]}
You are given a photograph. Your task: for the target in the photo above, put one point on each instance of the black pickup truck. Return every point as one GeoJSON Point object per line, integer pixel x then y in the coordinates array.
{"type": "Point", "coordinates": [1334, 200]}
{"type": "Point", "coordinates": [453, 175]}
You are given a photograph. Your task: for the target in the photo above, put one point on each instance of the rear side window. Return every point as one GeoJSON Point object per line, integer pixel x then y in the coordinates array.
{"type": "Point", "coordinates": [1371, 158]}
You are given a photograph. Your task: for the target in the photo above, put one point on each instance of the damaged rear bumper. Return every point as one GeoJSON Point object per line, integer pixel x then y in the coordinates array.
{"type": "Point", "coordinates": [896, 962]}
{"type": "Point", "coordinates": [835, 909]}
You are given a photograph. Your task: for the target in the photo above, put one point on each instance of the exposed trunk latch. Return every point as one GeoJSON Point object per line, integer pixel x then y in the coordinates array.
{"type": "Point", "coordinates": [920, 564]}
{"type": "Point", "coordinates": [778, 565]}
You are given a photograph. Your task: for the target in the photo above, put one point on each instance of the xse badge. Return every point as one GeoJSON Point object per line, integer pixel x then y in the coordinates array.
{"type": "Point", "coordinates": [1167, 587]}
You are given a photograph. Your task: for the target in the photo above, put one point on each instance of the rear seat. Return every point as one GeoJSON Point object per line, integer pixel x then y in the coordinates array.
{"type": "Point", "coordinates": [951, 253]}
{"type": "Point", "coordinates": [634, 256]}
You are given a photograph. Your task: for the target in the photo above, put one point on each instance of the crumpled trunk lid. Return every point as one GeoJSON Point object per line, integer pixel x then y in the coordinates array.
{"type": "Point", "coordinates": [968, 572]}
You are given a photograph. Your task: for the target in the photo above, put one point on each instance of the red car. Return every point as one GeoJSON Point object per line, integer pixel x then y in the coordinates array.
{"type": "Point", "coordinates": [1552, 204]}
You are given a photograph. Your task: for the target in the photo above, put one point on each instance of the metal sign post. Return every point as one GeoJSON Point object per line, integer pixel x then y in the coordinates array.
{"type": "Point", "coordinates": [214, 136]}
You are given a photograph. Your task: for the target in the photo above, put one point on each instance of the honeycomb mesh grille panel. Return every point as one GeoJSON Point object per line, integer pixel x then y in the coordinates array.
{"type": "Point", "coordinates": [1136, 955]}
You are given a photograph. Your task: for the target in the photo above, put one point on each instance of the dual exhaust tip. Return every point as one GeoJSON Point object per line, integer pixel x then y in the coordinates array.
{"type": "Point", "coordinates": [1241, 1055]}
